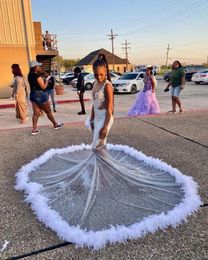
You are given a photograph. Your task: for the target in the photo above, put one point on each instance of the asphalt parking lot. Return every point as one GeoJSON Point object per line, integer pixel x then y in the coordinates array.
{"type": "Point", "coordinates": [178, 139]}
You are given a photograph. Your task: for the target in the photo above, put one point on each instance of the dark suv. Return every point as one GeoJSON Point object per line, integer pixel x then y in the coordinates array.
{"type": "Point", "coordinates": [68, 79]}
{"type": "Point", "coordinates": [189, 70]}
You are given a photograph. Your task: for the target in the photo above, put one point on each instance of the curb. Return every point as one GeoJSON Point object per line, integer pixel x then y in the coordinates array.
{"type": "Point", "coordinates": [2, 106]}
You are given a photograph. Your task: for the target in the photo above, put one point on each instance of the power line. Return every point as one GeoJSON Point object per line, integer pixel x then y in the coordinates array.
{"type": "Point", "coordinates": [159, 10]}
{"type": "Point", "coordinates": [169, 19]}
{"type": "Point", "coordinates": [126, 47]}
{"type": "Point", "coordinates": [112, 37]}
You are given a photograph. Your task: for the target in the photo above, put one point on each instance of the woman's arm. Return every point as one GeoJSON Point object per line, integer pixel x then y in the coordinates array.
{"type": "Point", "coordinates": [167, 87]}
{"type": "Point", "coordinates": [109, 103]}
{"type": "Point", "coordinates": [92, 118]}
{"type": "Point", "coordinates": [41, 82]}
{"type": "Point", "coordinates": [109, 110]}
{"type": "Point", "coordinates": [13, 85]}
{"type": "Point", "coordinates": [153, 83]}
{"type": "Point", "coordinates": [92, 114]}
{"type": "Point", "coordinates": [183, 77]}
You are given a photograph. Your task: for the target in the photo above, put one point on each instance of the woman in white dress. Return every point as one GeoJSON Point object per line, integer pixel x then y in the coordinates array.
{"type": "Point", "coordinates": [102, 108]}
{"type": "Point", "coordinates": [102, 193]}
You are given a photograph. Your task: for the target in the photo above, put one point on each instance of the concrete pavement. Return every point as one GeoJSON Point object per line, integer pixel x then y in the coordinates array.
{"type": "Point", "coordinates": [193, 97]}
{"type": "Point", "coordinates": [164, 137]}
{"type": "Point", "coordinates": [179, 139]}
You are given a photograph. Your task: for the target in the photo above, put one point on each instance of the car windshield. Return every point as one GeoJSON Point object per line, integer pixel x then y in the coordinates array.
{"type": "Point", "coordinates": [90, 76]}
{"type": "Point", "coordinates": [112, 75]}
{"type": "Point", "coordinates": [194, 69]}
{"type": "Point", "coordinates": [129, 76]}
{"type": "Point", "coordinates": [203, 71]}
{"type": "Point", "coordinates": [84, 73]}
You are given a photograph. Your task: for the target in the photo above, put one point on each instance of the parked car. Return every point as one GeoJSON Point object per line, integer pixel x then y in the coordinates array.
{"type": "Point", "coordinates": [57, 76]}
{"type": "Point", "coordinates": [90, 79]}
{"type": "Point", "coordinates": [144, 70]}
{"type": "Point", "coordinates": [189, 70]}
{"type": "Point", "coordinates": [64, 75]}
{"type": "Point", "coordinates": [200, 77]}
{"type": "Point", "coordinates": [68, 79]}
{"type": "Point", "coordinates": [167, 76]}
{"type": "Point", "coordinates": [130, 82]}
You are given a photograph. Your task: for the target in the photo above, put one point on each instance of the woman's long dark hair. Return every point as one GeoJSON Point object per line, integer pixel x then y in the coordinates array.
{"type": "Point", "coordinates": [17, 71]}
{"type": "Point", "coordinates": [178, 64]}
{"type": "Point", "coordinates": [101, 61]}
{"type": "Point", "coordinates": [32, 70]}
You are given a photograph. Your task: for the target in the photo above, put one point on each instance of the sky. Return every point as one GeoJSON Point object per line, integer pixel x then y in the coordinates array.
{"type": "Point", "coordinates": [149, 26]}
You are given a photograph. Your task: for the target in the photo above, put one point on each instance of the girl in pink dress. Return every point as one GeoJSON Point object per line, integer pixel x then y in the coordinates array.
{"type": "Point", "coordinates": [146, 101]}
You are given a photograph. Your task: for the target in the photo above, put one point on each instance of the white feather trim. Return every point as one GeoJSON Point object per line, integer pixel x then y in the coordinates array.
{"type": "Point", "coordinates": [98, 239]}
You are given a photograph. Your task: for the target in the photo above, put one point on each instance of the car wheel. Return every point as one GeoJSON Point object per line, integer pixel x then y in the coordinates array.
{"type": "Point", "coordinates": [133, 89]}
{"type": "Point", "coordinates": [88, 86]}
{"type": "Point", "coordinates": [197, 82]}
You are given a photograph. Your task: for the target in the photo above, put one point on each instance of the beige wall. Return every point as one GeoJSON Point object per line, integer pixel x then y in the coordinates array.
{"type": "Point", "coordinates": [17, 41]}
{"type": "Point", "coordinates": [10, 55]}
{"type": "Point", "coordinates": [38, 36]}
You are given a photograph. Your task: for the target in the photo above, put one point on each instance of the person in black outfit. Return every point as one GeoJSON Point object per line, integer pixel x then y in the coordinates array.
{"type": "Point", "coordinates": [50, 87]}
{"type": "Point", "coordinates": [39, 97]}
{"type": "Point", "coordinates": [80, 89]}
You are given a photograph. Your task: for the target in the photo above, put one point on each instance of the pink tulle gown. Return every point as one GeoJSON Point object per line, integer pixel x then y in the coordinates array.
{"type": "Point", "coordinates": [146, 102]}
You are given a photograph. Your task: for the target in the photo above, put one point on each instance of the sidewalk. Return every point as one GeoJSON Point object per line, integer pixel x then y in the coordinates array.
{"type": "Point", "coordinates": [68, 97]}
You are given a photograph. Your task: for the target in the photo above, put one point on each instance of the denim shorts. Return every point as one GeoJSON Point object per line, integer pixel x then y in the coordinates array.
{"type": "Point", "coordinates": [39, 97]}
{"type": "Point", "coordinates": [175, 91]}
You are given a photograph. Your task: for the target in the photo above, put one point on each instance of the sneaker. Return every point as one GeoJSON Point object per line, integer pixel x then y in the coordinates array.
{"type": "Point", "coordinates": [54, 110]}
{"type": "Point", "coordinates": [35, 132]}
{"type": "Point", "coordinates": [58, 126]}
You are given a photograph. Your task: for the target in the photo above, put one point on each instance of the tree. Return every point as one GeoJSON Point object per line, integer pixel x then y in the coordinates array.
{"type": "Point", "coordinates": [65, 64]}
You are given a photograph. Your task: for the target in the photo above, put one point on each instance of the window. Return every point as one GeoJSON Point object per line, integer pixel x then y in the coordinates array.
{"type": "Point", "coordinates": [129, 76]}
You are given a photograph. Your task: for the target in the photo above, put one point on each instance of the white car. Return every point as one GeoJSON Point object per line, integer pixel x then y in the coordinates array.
{"type": "Point", "coordinates": [65, 75]}
{"type": "Point", "coordinates": [130, 82]}
{"type": "Point", "coordinates": [200, 77]}
{"type": "Point", "coordinates": [87, 78]}
{"type": "Point", "coordinates": [90, 79]}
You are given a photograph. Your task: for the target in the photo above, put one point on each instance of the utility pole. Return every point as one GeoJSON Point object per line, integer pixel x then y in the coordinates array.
{"type": "Point", "coordinates": [167, 57]}
{"type": "Point", "coordinates": [125, 47]}
{"type": "Point", "coordinates": [112, 37]}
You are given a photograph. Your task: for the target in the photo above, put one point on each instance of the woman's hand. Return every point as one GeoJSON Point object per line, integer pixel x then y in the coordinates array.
{"type": "Point", "coordinates": [92, 125]}
{"type": "Point", "coordinates": [103, 132]}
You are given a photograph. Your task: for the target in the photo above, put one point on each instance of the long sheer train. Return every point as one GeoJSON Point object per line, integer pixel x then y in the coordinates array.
{"type": "Point", "coordinates": [92, 197]}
